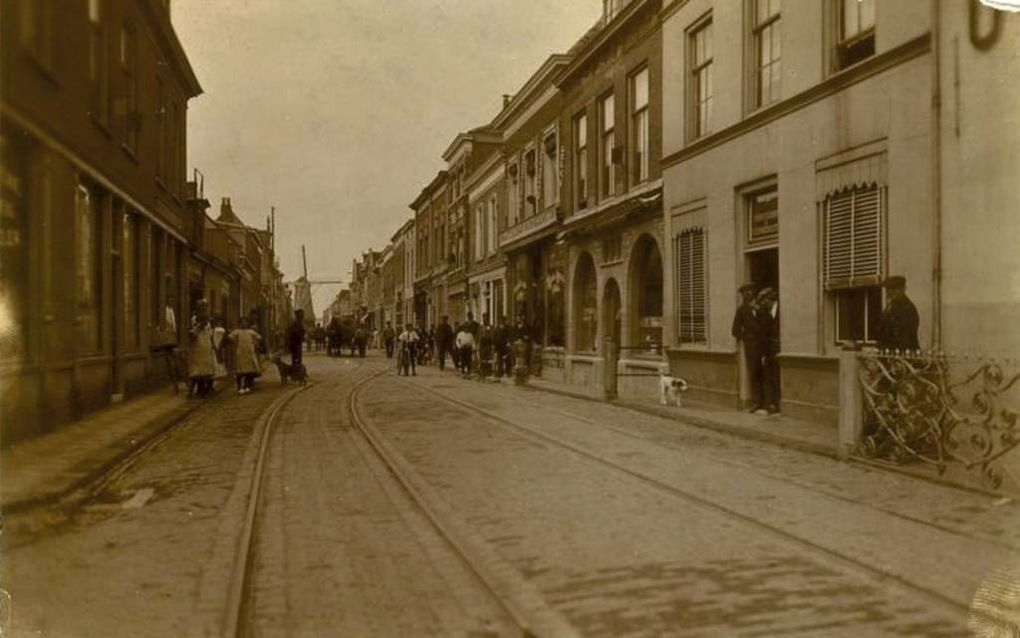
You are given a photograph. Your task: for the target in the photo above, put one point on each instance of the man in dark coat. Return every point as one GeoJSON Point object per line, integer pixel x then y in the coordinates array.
{"type": "Point", "coordinates": [501, 339]}
{"type": "Point", "coordinates": [749, 330]}
{"type": "Point", "coordinates": [296, 336]}
{"type": "Point", "coordinates": [389, 339]}
{"type": "Point", "coordinates": [444, 341]}
{"type": "Point", "coordinates": [768, 315]}
{"type": "Point", "coordinates": [897, 328]}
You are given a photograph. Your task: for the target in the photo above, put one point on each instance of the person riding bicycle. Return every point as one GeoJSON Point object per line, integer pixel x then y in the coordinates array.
{"type": "Point", "coordinates": [408, 350]}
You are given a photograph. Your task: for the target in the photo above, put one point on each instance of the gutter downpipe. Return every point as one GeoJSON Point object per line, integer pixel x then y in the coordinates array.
{"type": "Point", "coordinates": [936, 177]}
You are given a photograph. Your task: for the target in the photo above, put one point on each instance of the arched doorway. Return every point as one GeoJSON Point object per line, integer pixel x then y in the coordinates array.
{"type": "Point", "coordinates": [645, 306]}
{"type": "Point", "coordinates": [611, 311]}
{"type": "Point", "coordinates": [585, 304]}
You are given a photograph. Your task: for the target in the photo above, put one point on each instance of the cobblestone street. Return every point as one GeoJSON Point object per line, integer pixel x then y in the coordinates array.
{"type": "Point", "coordinates": [514, 508]}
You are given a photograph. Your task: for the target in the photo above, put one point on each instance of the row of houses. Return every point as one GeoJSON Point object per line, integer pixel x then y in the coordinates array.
{"type": "Point", "coordinates": [682, 148]}
{"type": "Point", "coordinates": [103, 239]}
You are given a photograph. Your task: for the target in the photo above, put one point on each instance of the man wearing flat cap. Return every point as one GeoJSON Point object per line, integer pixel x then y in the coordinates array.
{"type": "Point", "coordinates": [897, 328]}
{"type": "Point", "coordinates": [749, 329]}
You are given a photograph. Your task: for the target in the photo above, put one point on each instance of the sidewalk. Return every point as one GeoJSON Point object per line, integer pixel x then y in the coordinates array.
{"type": "Point", "coordinates": [776, 429]}
{"type": "Point", "coordinates": [42, 470]}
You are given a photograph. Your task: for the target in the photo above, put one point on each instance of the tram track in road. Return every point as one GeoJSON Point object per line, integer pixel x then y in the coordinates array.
{"type": "Point", "coordinates": [522, 602]}
{"type": "Point", "coordinates": [659, 487]}
{"type": "Point", "coordinates": [240, 616]}
{"type": "Point", "coordinates": [236, 612]}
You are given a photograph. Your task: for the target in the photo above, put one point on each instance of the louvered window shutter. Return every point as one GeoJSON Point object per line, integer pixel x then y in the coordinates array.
{"type": "Point", "coordinates": [853, 238]}
{"type": "Point", "coordinates": [689, 256]}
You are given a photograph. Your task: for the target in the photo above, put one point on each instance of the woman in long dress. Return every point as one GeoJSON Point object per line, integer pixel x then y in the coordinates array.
{"type": "Point", "coordinates": [201, 355]}
{"type": "Point", "coordinates": [246, 360]}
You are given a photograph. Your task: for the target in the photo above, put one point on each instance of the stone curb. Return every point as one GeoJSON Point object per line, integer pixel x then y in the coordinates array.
{"type": "Point", "coordinates": [724, 428]}
{"type": "Point", "coordinates": [146, 435]}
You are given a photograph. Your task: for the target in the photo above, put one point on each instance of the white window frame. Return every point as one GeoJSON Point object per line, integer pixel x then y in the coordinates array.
{"type": "Point", "coordinates": [640, 124]}
{"type": "Point", "coordinates": [607, 141]}
{"type": "Point", "coordinates": [699, 66]}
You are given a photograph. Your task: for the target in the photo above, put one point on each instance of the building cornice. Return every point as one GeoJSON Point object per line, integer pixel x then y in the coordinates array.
{"type": "Point", "coordinates": [426, 192]}
{"type": "Point", "coordinates": [531, 89]}
{"type": "Point", "coordinates": [593, 47]}
{"type": "Point", "coordinates": [165, 28]}
{"type": "Point", "coordinates": [828, 87]}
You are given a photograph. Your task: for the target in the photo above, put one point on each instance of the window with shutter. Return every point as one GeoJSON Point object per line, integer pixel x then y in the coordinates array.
{"type": "Point", "coordinates": [689, 257]}
{"type": "Point", "coordinates": [854, 253]}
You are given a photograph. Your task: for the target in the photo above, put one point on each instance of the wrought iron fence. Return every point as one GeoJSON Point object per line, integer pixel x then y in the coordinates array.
{"type": "Point", "coordinates": [941, 409]}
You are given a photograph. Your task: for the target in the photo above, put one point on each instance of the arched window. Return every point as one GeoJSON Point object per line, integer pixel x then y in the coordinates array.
{"type": "Point", "coordinates": [585, 294]}
{"type": "Point", "coordinates": [646, 304]}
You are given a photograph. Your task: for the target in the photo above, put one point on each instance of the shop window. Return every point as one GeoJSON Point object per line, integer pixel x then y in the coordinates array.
{"type": "Point", "coordinates": [585, 305]}
{"type": "Point", "coordinates": [13, 253]}
{"type": "Point", "coordinates": [646, 282]}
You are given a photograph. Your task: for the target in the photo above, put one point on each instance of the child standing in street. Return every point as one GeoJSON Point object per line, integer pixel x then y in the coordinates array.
{"type": "Point", "coordinates": [246, 361]}
{"type": "Point", "coordinates": [465, 348]}
{"type": "Point", "coordinates": [409, 339]}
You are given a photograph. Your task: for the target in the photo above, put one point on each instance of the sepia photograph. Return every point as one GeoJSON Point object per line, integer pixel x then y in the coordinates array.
{"type": "Point", "coordinates": [543, 319]}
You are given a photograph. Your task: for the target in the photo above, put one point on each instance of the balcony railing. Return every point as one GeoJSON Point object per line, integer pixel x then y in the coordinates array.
{"type": "Point", "coordinates": [528, 226]}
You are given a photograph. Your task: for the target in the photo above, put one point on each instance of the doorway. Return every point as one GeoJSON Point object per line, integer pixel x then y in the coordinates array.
{"type": "Point", "coordinates": [762, 267]}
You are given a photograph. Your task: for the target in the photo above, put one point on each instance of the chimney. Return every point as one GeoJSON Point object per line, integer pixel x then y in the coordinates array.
{"type": "Point", "coordinates": [506, 99]}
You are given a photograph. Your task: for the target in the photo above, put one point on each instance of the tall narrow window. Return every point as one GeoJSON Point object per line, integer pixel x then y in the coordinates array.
{"type": "Point", "coordinates": [767, 50]}
{"type": "Point", "coordinates": [700, 65]}
{"type": "Point", "coordinates": [639, 125]}
{"type": "Point", "coordinates": [689, 257]}
{"type": "Point", "coordinates": [131, 283]}
{"type": "Point", "coordinates": [607, 117]}
{"type": "Point", "coordinates": [128, 67]}
{"type": "Point", "coordinates": [163, 114]}
{"type": "Point", "coordinates": [512, 193]}
{"type": "Point", "coordinates": [854, 259]}
{"type": "Point", "coordinates": [581, 161]}
{"type": "Point", "coordinates": [176, 150]}
{"type": "Point", "coordinates": [99, 75]}
{"type": "Point", "coordinates": [550, 171]}
{"type": "Point", "coordinates": [855, 39]}
{"type": "Point", "coordinates": [493, 225]}
{"type": "Point", "coordinates": [530, 183]}
{"type": "Point", "coordinates": [88, 267]}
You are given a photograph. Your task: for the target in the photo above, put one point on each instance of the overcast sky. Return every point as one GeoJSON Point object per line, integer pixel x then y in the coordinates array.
{"type": "Point", "coordinates": [337, 111]}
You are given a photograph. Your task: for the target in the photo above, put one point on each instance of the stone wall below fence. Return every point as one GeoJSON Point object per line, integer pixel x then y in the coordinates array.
{"type": "Point", "coordinates": [810, 388]}
{"type": "Point", "coordinates": [712, 377]}
{"type": "Point", "coordinates": [554, 364]}
{"type": "Point", "coordinates": [584, 371]}
{"type": "Point", "coordinates": [645, 386]}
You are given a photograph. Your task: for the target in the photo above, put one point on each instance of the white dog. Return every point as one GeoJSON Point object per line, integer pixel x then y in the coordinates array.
{"type": "Point", "coordinates": [670, 389]}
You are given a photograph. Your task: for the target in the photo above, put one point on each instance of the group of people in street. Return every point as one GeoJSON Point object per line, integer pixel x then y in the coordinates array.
{"type": "Point", "coordinates": [213, 352]}
{"type": "Point", "coordinates": [471, 346]}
